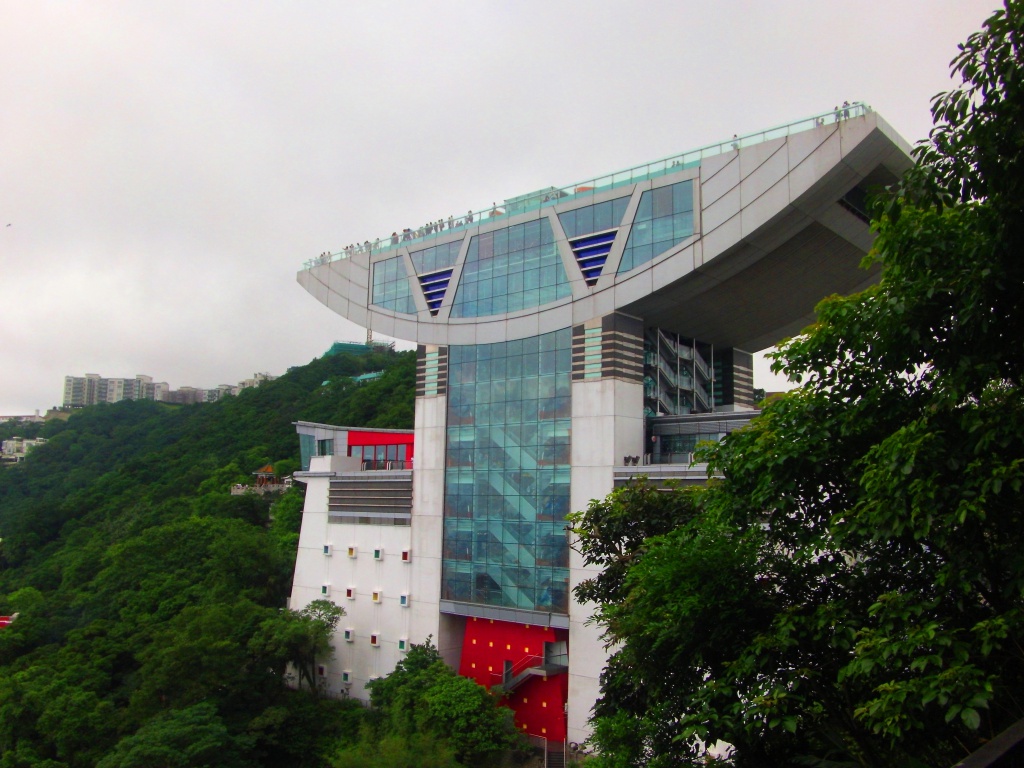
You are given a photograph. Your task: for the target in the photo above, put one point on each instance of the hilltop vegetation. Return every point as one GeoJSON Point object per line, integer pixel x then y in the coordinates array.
{"type": "Point", "coordinates": [151, 629]}
{"type": "Point", "coordinates": [851, 592]}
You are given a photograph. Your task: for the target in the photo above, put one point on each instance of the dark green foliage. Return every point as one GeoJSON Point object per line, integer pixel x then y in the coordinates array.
{"type": "Point", "coordinates": [613, 536]}
{"type": "Point", "coordinates": [14, 428]}
{"type": "Point", "coordinates": [852, 592]}
{"type": "Point", "coordinates": [419, 750]}
{"type": "Point", "coordinates": [180, 738]}
{"type": "Point", "coordinates": [150, 600]}
{"type": "Point", "coordinates": [298, 638]}
{"type": "Point", "coordinates": [424, 705]}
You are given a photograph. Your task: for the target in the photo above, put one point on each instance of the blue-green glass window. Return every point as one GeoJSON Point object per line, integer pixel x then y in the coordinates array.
{"type": "Point", "coordinates": [391, 286]}
{"type": "Point", "coordinates": [507, 473]}
{"type": "Point", "coordinates": [664, 218]}
{"type": "Point", "coordinates": [594, 218]}
{"type": "Point", "coordinates": [438, 257]}
{"type": "Point", "coordinates": [510, 269]}
{"type": "Point", "coordinates": [307, 449]}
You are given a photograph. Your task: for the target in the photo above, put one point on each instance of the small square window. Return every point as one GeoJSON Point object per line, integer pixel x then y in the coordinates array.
{"type": "Point", "coordinates": [325, 589]}
{"type": "Point", "coordinates": [376, 596]}
{"type": "Point", "coordinates": [375, 640]}
{"type": "Point", "coordinates": [327, 550]}
{"type": "Point", "coordinates": [346, 676]}
{"type": "Point", "coordinates": [404, 601]}
{"type": "Point", "coordinates": [350, 635]}
{"type": "Point", "coordinates": [353, 551]}
{"type": "Point", "coordinates": [378, 554]}
{"type": "Point", "coordinates": [403, 644]}
{"type": "Point", "coordinates": [406, 556]}
{"type": "Point", "coordinates": [350, 593]}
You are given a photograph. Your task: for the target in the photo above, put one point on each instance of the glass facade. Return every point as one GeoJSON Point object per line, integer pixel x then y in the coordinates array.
{"type": "Point", "coordinates": [507, 474]}
{"type": "Point", "coordinates": [510, 269]}
{"type": "Point", "coordinates": [677, 376]}
{"type": "Point", "coordinates": [391, 286]}
{"type": "Point", "coordinates": [594, 218]}
{"type": "Point", "coordinates": [438, 257]}
{"type": "Point", "coordinates": [307, 449]}
{"type": "Point", "coordinates": [663, 219]}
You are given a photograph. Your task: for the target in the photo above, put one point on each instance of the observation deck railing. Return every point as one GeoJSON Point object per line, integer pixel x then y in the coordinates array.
{"type": "Point", "coordinates": [589, 187]}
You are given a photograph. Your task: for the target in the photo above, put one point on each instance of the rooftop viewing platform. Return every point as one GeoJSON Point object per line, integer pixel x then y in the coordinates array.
{"type": "Point", "coordinates": [552, 195]}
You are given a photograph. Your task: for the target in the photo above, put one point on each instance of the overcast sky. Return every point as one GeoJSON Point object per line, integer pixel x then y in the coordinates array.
{"type": "Point", "coordinates": [166, 167]}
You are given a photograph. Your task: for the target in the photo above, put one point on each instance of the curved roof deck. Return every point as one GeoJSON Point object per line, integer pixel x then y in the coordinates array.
{"type": "Point", "coordinates": [590, 187]}
{"type": "Point", "coordinates": [776, 223]}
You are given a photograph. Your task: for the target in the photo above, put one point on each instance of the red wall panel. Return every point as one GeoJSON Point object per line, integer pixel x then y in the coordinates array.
{"type": "Point", "coordinates": [538, 703]}
{"type": "Point", "coordinates": [369, 437]}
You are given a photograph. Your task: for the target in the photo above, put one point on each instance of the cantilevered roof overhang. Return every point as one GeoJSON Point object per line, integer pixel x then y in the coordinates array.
{"type": "Point", "coordinates": [778, 226]}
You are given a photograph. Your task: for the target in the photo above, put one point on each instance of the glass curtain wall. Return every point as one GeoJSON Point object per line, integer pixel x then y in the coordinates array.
{"type": "Point", "coordinates": [507, 474]}
{"type": "Point", "coordinates": [663, 219]}
{"type": "Point", "coordinates": [391, 286]}
{"type": "Point", "coordinates": [509, 270]}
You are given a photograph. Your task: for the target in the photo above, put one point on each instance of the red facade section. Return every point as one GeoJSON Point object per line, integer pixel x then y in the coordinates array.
{"type": "Point", "coordinates": [491, 647]}
{"type": "Point", "coordinates": [359, 437]}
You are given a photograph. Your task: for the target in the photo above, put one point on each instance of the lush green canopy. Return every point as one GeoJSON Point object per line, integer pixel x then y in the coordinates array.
{"type": "Point", "coordinates": [852, 589]}
{"type": "Point", "coordinates": [150, 626]}
{"type": "Point", "coordinates": [425, 715]}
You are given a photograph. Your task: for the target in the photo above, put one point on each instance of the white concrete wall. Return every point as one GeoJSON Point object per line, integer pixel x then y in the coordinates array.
{"type": "Point", "coordinates": [607, 424]}
{"type": "Point", "coordinates": [389, 576]}
{"type": "Point", "coordinates": [428, 517]}
{"type": "Point", "coordinates": [419, 578]}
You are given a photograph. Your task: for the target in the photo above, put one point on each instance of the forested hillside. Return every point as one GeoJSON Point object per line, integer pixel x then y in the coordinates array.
{"type": "Point", "coordinates": [150, 628]}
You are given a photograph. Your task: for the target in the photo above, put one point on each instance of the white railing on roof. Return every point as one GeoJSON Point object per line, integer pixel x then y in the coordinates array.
{"type": "Point", "coordinates": [551, 195]}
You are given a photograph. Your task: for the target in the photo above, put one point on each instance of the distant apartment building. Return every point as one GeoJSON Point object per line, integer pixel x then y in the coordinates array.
{"type": "Point", "coordinates": [255, 381]}
{"type": "Point", "coordinates": [91, 389]}
{"type": "Point", "coordinates": [31, 418]}
{"type": "Point", "coordinates": [16, 448]}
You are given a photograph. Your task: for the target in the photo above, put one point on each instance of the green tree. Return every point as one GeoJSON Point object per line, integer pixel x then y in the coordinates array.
{"type": "Point", "coordinates": [469, 716]}
{"type": "Point", "coordinates": [298, 638]}
{"type": "Point", "coordinates": [194, 737]}
{"type": "Point", "coordinates": [424, 703]}
{"type": "Point", "coordinates": [142, 586]}
{"type": "Point", "coordinates": [853, 589]}
{"type": "Point", "coordinates": [201, 655]}
{"type": "Point", "coordinates": [417, 750]}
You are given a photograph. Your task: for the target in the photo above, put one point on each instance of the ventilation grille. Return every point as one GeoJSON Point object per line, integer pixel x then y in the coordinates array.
{"type": "Point", "coordinates": [609, 348]}
{"type": "Point", "coordinates": [384, 502]}
{"type": "Point", "coordinates": [591, 252]}
{"type": "Point", "coordinates": [434, 285]}
{"type": "Point", "coordinates": [431, 370]}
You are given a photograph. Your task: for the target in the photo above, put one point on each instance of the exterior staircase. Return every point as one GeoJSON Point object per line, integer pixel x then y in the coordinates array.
{"type": "Point", "coordinates": [554, 754]}
{"type": "Point", "coordinates": [520, 676]}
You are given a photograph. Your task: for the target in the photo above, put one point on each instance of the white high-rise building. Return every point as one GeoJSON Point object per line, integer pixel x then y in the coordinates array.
{"type": "Point", "coordinates": [567, 340]}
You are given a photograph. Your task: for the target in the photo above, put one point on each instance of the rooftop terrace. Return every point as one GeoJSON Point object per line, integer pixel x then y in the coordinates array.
{"type": "Point", "coordinates": [551, 195]}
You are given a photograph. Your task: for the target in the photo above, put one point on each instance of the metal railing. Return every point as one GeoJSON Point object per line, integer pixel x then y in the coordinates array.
{"type": "Point", "coordinates": [1006, 750]}
{"type": "Point", "coordinates": [377, 465]}
{"type": "Point", "coordinates": [685, 458]}
{"type": "Point", "coordinates": [587, 188]}
{"type": "Point", "coordinates": [505, 677]}
{"type": "Point", "coordinates": [701, 365]}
